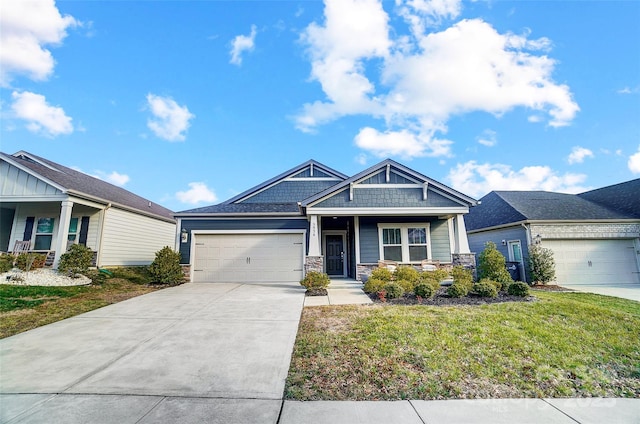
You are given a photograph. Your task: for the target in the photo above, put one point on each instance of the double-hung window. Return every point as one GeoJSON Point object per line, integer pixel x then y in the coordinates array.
{"type": "Point", "coordinates": [407, 243]}
{"type": "Point", "coordinates": [44, 234]}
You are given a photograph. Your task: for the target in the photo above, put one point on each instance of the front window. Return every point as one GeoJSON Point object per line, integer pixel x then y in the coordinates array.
{"type": "Point", "coordinates": [44, 234]}
{"type": "Point", "coordinates": [73, 230]}
{"type": "Point", "coordinates": [404, 242]}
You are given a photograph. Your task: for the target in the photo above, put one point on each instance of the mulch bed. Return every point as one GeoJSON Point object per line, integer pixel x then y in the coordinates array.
{"type": "Point", "coordinates": [550, 287]}
{"type": "Point", "coordinates": [316, 292]}
{"type": "Point", "coordinates": [442, 299]}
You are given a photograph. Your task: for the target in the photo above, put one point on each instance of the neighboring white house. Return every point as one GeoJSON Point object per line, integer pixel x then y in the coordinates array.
{"type": "Point", "coordinates": [51, 207]}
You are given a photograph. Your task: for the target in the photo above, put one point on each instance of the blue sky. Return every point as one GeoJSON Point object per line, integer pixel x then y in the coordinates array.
{"type": "Point", "coordinates": [189, 103]}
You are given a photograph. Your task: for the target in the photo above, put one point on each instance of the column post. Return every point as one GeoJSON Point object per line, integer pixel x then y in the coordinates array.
{"type": "Point", "coordinates": [63, 231]}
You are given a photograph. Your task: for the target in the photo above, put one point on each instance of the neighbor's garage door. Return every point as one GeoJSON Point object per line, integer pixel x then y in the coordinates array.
{"type": "Point", "coordinates": [594, 261]}
{"type": "Point", "coordinates": [247, 258]}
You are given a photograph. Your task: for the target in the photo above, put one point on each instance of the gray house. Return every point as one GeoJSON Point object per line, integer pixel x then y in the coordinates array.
{"type": "Point", "coordinates": [312, 217]}
{"type": "Point", "coordinates": [46, 206]}
{"type": "Point", "coordinates": [594, 236]}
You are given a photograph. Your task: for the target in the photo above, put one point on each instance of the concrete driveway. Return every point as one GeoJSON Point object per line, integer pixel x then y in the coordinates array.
{"type": "Point", "coordinates": [193, 353]}
{"type": "Point", "coordinates": [625, 291]}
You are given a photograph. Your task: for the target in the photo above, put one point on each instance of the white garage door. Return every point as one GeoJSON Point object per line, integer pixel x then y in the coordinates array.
{"type": "Point", "coordinates": [594, 261]}
{"type": "Point", "coordinates": [247, 258]}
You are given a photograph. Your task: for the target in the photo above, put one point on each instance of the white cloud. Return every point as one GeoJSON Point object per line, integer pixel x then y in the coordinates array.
{"type": "Point", "coordinates": [578, 155]}
{"type": "Point", "coordinates": [171, 120]}
{"type": "Point", "coordinates": [40, 116]}
{"type": "Point", "coordinates": [240, 44]}
{"type": "Point", "coordinates": [629, 90]}
{"type": "Point", "coordinates": [115, 178]}
{"type": "Point", "coordinates": [488, 138]}
{"type": "Point", "coordinates": [198, 192]}
{"type": "Point", "coordinates": [417, 82]}
{"type": "Point", "coordinates": [634, 162]}
{"type": "Point", "coordinates": [401, 143]}
{"type": "Point", "coordinates": [479, 179]}
{"type": "Point", "coordinates": [26, 28]}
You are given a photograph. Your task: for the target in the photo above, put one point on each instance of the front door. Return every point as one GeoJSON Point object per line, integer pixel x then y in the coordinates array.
{"type": "Point", "coordinates": [334, 254]}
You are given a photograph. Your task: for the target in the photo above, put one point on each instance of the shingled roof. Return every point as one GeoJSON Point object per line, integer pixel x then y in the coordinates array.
{"type": "Point", "coordinates": [624, 197]}
{"type": "Point", "coordinates": [506, 207]}
{"type": "Point", "coordinates": [78, 183]}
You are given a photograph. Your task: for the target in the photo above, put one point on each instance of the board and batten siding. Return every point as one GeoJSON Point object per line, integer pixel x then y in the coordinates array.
{"type": "Point", "coordinates": [132, 239]}
{"type": "Point", "coordinates": [16, 182]}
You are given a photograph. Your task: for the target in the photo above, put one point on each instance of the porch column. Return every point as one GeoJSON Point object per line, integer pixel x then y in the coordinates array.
{"type": "Point", "coordinates": [314, 236]}
{"type": "Point", "coordinates": [63, 231]}
{"type": "Point", "coordinates": [462, 243]}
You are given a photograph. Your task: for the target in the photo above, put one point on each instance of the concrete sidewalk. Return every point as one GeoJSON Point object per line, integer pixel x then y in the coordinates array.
{"type": "Point", "coordinates": [340, 292]}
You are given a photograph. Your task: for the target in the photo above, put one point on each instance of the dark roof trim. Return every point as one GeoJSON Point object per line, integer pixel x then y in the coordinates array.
{"type": "Point", "coordinates": [341, 186]}
{"type": "Point", "coordinates": [278, 178]}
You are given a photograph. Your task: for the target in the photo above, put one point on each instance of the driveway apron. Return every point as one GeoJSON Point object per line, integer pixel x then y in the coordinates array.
{"type": "Point", "coordinates": [218, 352]}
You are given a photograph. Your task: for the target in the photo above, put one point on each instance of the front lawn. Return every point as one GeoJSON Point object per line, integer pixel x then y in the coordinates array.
{"type": "Point", "coordinates": [25, 307]}
{"type": "Point", "coordinates": [564, 344]}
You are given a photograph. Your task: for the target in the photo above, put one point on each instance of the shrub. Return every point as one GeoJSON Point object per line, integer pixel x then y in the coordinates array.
{"type": "Point", "coordinates": [407, 285]}
{"type": "Point", "coordinates": [457, 290]}
{"type": "Point", "coordinates": [381, 274]}
{"type": "Point", "coordinates": [492, 264]}
{"type": "Point", "coordinates": [29, 261]}
{"type": "Point", "coordinates": [6, 263]}
{"type": "Point", "coordinates": [407, 273]}
{"type": "Point", "coordinates": [96, 276]}
{"type": "Point", "coordinates": [374, 285]}
{"type": "Point", "coordinates": [393, 290]}
{"type": "Point", "coordinates": [497, 284]}
{"type": "Point", "coordinates": [462, 276]}
{"type": "Point", "coordinates": [424, 290]}
{"type": "Point", "coordinates": [166, 268]}
{"type": "Point", "coordinates": [431, 280]}
{"type": "Point", "coordinates": [76, 261]}
{"type": "Point", "coordinates": [315, 280]}
{"type": "Point", "coordinates": [439, 274]}
{"type": "Point", "coordinates": [541, 264]}
{"type": "Point", "coordinates": [518, 289]}
{"type": "Point", "coordinates": [485, 288]}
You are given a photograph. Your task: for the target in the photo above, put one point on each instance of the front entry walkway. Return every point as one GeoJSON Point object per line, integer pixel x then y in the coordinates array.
{"type": "Point", "coordinates": [193, 353]}
{"type": "Point", "coordinates": [341, 291]}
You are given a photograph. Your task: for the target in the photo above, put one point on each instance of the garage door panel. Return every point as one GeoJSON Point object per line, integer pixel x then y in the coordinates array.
{"type": "Point", "coordinates": [594, 261]}
{"type": "Point", "coordinates": [248, 257]}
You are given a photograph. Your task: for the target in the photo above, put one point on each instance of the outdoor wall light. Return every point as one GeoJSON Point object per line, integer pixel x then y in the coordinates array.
{"type": "Point", "coordinates": [537, 239]}
{"type": "Point", "coordinates": [504, 242]}
{"type": "Point", "coordinates": [184, 236]}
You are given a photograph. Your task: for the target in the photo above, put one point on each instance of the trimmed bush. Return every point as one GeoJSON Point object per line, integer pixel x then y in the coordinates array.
{"type": "Point", "coordinates": [393, 290]}
{"type": "Point", "coordinates": [457, 290]}
{"type": "Point", "coordinates": [424, 290]}
{"type": "Point", "coordinates": [497, 284]}
{"type": "Point", "coordinates": [485, 288]}
{"type": "Point", "coordinates": [407, 285]}
{"type": "Point", "coordinates": [76, 261]}
{"type": "Point", "coordinates": [374, 285]}
{"type": "Point", "coordinates": [427, 278]}
{"type": "Point", "coordinates": [6, 263]}
{"type": "Point", "coordinates": [96, 276]}
{"type": "Point", "coordinates": [381, 274]}
{"type": "Point", "coordinates": [463, 277]}
{"type": "Point", "coordinates": [166, 268]}
{"type": "Point", "coordinates": [29, 261]}
{"type": "Point", "coordinates": [518, 289]}
{"type": "Point", "coordinates": [315, 280]}
{"type": "Point", "coordinates": [541, 264]}
{"type": "Point", "coordinates": [492, 264]}
{"type": "Point", "coordinates": [438, 274]}
{"type": "Point", "coordinates": [406, 273]}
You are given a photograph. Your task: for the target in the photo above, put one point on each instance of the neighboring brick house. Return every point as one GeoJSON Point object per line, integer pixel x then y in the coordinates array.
{"type": "Point", "coordinates": [50, 206]}
{"type": "Point", "coordinates": [312, 217]}
{"type": "Point", "coordinates": [595, 236]}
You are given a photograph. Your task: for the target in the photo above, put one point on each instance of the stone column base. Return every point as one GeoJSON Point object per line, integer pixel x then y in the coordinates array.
{"type": "Point", "coordinates": [186, 272]}
{"type": "Point", "coordinates": [465, 260]}
{"type": "Point", "coordinates": [363, 271]}
{"type": "Point", "coordinates": [314, 263]}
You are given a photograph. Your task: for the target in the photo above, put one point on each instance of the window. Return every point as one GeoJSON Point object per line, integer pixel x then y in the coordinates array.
{"type": "Point", "coordinates": [73, 230]}
{"type": "Point", "coordinates": [404, 242]}
{"type": "Point", "coordinates": [44, 234]}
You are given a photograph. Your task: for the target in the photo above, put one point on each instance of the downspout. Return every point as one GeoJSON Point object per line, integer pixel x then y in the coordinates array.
{"type": "Point", "coordinates": [527, 231]}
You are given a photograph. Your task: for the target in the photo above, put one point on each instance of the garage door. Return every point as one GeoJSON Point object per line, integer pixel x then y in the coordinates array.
{"type": "Point", "coordinates": [247, 258]}
{"type": "Point", "coordinates": [594, 261]}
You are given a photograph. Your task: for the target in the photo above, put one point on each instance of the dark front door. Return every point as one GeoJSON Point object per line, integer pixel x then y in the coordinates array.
{"type": "Point", "coordinates": [334, 255]}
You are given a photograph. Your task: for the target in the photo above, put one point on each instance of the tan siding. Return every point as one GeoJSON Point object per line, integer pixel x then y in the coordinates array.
{"type": "Point", "coordinates": [131, 239]}
{"type": "Point", "coordinates": [16, 182]}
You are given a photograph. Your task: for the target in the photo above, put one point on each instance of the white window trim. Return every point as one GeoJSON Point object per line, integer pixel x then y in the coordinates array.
{"type": "Point", "coordinates": [404, 234]}
{"type": "Point", "coordinates": [35, 232]}
{"type": "Point", "coordinates": [510, 249]}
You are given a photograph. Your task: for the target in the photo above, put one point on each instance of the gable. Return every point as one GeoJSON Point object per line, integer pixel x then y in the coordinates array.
{"type": "Point", "coordinates": [19, 183]}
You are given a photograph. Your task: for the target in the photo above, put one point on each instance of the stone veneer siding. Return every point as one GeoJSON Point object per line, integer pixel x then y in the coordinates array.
{"type": "Point", "coordinates": [466, 260]}
{"type": "Point", "coordinates": [590, 231]}
{"type": "Point", "coordinates": [314, 263]}
{"type": "Point", "coordinates": [364, 269]}
{"type": "Point", "coordinates": [186, 272]}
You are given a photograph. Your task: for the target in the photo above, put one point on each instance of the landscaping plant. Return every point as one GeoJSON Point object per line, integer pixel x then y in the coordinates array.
{"type": "Point", "coordinates": [381, 274]}
{"type": "Point", "coordinates": [315, 280]}
{"type": "Point", "coordinates": [166, 268]}
{"type": "Point", "coordinates": [30, 260]}
{"type": "Point", "coordinates": [457, 290]}
{"type": "Point", "coordinates": [541, 264]}
{"type": "Point", "coordinates": [424, 290]}
{"type": "Point", "coordinates": [76, 261]}
{"type": "Point", "coordinates": [408, 273]}
{"type": "Point", "coordinates": [492, 264]}
{"type": "Point", "coordinates": [373, 285]}
{"type": "Point", "coordinates": [485, 288]}
{"type": "Point", "coordinates": [393, 290]}
{"type": "Point", "coordinates": [518, 289]}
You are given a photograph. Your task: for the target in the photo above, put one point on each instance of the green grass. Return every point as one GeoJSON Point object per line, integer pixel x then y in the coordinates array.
{"type": "Point", "coordinates": [565, 344]}
{"type": "Point", "coordinates": [23, 308]}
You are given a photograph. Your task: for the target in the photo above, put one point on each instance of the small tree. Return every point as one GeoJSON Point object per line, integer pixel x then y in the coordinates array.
{"type": "Point", "coordinates": [166, 268]}
{"type": "Point", "coordinates": [492, 264]}
{"type": "Point", "coordinates": [76, 261]}
{"type": "Point", "coordinates": [541, 264]}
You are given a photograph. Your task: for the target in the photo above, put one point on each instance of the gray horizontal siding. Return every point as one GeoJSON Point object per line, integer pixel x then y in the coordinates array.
{"type": "Point", "coordinates": [477, 241]}
{"type": "Point", "coordinates": [440, 243]}
{"type": "Point", "coordinates": [236, 224]}
{"type": "Point", "coordinates": [386, 198]}
{"type": "Point", "coordinates": [290, 191]}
